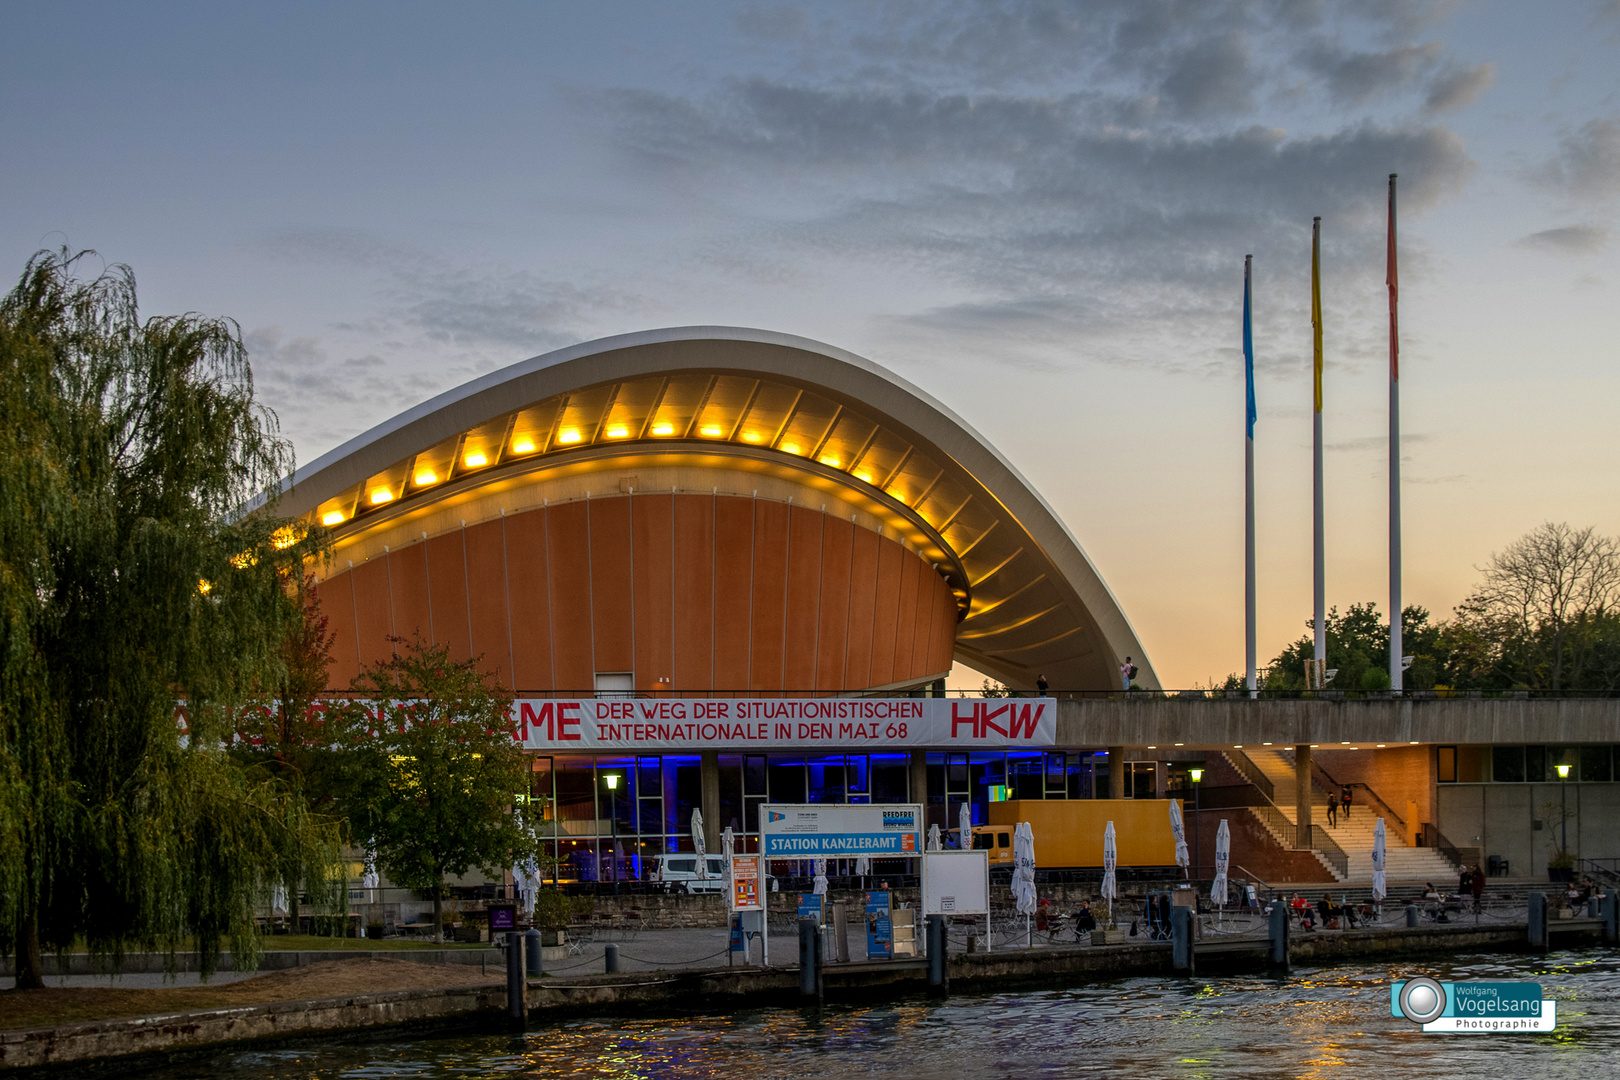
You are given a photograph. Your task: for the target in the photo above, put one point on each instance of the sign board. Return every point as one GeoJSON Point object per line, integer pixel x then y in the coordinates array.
{"type": "Point", "coordinates": [879, 926]}
{"type": "Point", "coordinates": [836, 830]}
{"type": "Point", "coordinates": [737, 932]}
{"type": "Point", "coordinates": [502, 918]}
{"type": "Point", "coordinates": [744, 883]}
{"type": "Point", "coordinates": [956, 883]}
{"type": "Point", "coordinates": [663, 724]}
{"type": "Point", "coordinates": [812, 906]}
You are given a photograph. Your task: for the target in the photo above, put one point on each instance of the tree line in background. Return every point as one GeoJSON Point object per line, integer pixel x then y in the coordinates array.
{"type": "Point", "coordinates": [131, 578]}
{"type": "Point", "coordinates": [1544, 617]}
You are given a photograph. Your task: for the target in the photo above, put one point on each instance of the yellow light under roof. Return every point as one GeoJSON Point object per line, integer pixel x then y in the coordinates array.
{"type": "Point", "coordinates": [425, 477]}
{"type": "Point", "coordinates": [830, 460]}
{"type": "Point", "coordinates": [380, 496]}
{"type": "Point", "coordinates": [710, 431]}
{"type": "Point", "coordinates": [618, 431]}
{"type": "Point", "coordinates": [864, 477]}
{"type": "Point", "coordinates": [751, 436]}
{"type": "Point", "coordinates": [568, 435]}
{"type": "Point", "coordinates": [663, 429]}
{"type": "Point", "coordinates": [523, 446]}
{"type": "Point", "coordinates": [474, 460]}
{"type": "Point", "coordinates": [790, 448]}
{"type": "Point", "coordinates": [333, 518]}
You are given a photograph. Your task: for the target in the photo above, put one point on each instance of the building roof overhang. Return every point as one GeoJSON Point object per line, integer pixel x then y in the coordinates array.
{"type": "Point", "coordinates": [1030, 600]}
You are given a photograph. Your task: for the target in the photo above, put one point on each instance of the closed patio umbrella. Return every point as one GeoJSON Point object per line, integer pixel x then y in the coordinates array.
{"type": "Point", "coordinates": [818, 886]}
{"type": "Point", "coordinates": [863, 867]}
{"type": "Point", "coordinates": [1378, 862]}
{"type": "Point", "coordinates": [697, 845]}
{"type": "Point", "coordinates": [964, 825]}
{"type": "Point", "coordinates": [1223, 856]}
{"type": "Point", "coordinates": [933, 838]}
{"type": "Point", "coordinates": [1110, 888]}
{"type": "Point", "coordinates": [1179, 831]}
{"type": "Point", "coordinates": [1023, 879]}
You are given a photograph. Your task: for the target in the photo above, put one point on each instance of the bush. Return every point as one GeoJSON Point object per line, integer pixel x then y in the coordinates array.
{"type": "Point", "coordinates": [1375, 679]}
{"type": "Point", "coordinates": [553, 910]}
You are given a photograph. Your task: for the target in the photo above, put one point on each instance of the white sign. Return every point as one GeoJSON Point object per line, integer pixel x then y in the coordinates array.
{"type": "Point", "coordinates": [782, 723]}
{"type": "Point", "coordinates": [956, 883]}
{"type": "Point", "coordinates": [835, 830]}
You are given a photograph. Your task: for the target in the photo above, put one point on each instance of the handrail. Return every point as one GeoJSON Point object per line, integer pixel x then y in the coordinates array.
{"type": "Point", "coordinates": [1597, 867]}
{"type": "Point", "coordinates": [1328, 789]}
{"type": "Point", "coordinates": [1252, 876]}
{"type": "Point", "coordinates": [1244, 764]}
{"type": "Point", "coordinates": [1442, 845]}
{"type": "Point", "coordinates": [1321, 842]}
{"type": "Point", "coordinates": [1325, 846]}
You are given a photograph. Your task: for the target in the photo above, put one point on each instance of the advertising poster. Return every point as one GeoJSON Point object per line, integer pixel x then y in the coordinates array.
{"type": "Point", "coordinates": [736, 932]}
{"type": "Point", "coordinates": [879, 927]}
{"type": "Point", "coordinates": [745, 883]}
{"type": "Point", "coordinates": [811, 906]}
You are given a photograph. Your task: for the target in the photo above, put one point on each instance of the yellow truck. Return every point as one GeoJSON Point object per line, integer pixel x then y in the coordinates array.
{"type": "Point", "coordinates": [1069, 832]}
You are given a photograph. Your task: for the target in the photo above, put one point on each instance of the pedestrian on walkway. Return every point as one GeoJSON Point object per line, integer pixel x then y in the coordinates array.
{"type": "Point", "coordinates": [1127, 672]}
{"type": "Point", "coordinates": [1344, 799]}
{"type": "Point", "coordinates": [1333, 810]}
{"type": "Point", "coordinates": [1040, 685]}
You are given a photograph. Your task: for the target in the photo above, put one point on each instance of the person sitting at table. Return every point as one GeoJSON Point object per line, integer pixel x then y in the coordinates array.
{"type": "Point", "coordinates": [1085, 921]}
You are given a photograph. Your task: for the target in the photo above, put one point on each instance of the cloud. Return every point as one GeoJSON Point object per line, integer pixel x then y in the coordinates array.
{"type": "Point", "coordinates": [1353, 77]}
{"type": "Point", "coordinates": [1569, 240]}
{"type": "Point", "coordinates": [1587, 165]}
{"type": "Point", "coordinates": [1460, 88]}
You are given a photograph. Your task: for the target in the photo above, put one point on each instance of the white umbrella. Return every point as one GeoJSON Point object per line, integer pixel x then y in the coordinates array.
{"type": "Point", "coordinates": [1110, 888]}
{"type": "Point", "coordinates": [697, 844]}
{"type": "Point", "coordinates": [1223, 856]}
{"type": "Point", "coordinates": [1023, 879]}
{"type": "Point", "coordinates": [526, 878]}
{"type": "Point", "coordinates": [933, 838]}
{"type": "Point", "coordinates": [819, 886]}
{"type": "Point", "coordinates": [863, 866]}
{"type": "Point", "coordinates": [1178, 830]}
{"type": "Point", "coordinates": [1378, 862]}
{"type": "Point", "coordinates": [370, 880]}
{"type": "Point", "coordinates": [964, 825]}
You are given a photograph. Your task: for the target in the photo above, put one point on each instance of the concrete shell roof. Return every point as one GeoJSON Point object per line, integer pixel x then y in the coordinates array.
{"type": "Point", "coordinates": [1031, 601]}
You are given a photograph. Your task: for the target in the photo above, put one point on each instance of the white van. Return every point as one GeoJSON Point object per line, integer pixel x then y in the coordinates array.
{"type": "Point", "coordinates": [679, 873]}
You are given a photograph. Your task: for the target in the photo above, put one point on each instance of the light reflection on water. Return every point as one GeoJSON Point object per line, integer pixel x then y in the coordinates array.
{"type": "Point", "coordinates": [1326, 1022]}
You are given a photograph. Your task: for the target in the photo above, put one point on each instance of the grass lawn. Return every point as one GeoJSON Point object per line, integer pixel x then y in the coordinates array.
{"type": "Point", "coordinates": [333, 978]}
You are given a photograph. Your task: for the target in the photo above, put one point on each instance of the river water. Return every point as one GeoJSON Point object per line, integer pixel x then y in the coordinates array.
{"type": "Point", "coordinates": [1324, 1022]}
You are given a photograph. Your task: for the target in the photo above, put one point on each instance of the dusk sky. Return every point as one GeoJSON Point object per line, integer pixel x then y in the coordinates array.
{"type": "Point", "coordinates": [1037, 212]}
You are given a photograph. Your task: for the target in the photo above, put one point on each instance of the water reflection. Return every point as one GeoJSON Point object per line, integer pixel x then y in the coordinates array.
{"type": "Point", "coordinates": [1330, 1022]}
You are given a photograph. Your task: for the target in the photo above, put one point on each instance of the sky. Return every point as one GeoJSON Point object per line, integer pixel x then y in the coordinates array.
{"type": "Point", "coordinates": [1038, 212]}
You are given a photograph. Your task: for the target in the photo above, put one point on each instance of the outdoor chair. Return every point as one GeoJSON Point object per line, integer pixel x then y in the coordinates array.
{"type": "Point", "coordinates": [630, 925]}
{"type": "Point", "coordinates": [578, 937]}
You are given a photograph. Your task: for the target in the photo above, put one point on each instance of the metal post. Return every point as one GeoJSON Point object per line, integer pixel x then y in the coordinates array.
{"type": "Point", "coordinates": [1279, 934]}
{"type": "Point", "coordinates": [1397, 671]}
{"type": "Point", "coordinates": [535, 963]}
{"type": "Point", "coordinates": [517, 1004]}
{"type": "Point", "coordinates": [1609, 912]}
{"type": "Point", "coordinates": [610, 958]}
{"type": "Point", "coordinates": [809, 959]}
{"type": "Point", "coordinates": [1411, 914]}
{"type": "Point", "coordinates": [1181, 945]}
{"type": "Point", "coordinates": [937, 968]}
{"type": "Point", "coordinates": [1536, 928]}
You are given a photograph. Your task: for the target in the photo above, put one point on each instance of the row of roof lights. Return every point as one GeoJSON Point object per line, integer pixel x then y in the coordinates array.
{"type": "Point", "coordinates": [570, 436]}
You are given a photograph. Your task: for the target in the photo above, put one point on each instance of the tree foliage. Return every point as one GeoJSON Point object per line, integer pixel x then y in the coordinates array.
{"type": "Point", "coordinates": [1544, 617]}
{"type": "Point", "coordinates": [438, 783]}
{"type": "Point", "coordinates": [129, 579]}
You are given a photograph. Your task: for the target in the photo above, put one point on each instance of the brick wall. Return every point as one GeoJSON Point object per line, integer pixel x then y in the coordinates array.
{"type": "Point", "coordinates": [1253, 849]}
{"type": "Point", "coordinates": [1396, 773]}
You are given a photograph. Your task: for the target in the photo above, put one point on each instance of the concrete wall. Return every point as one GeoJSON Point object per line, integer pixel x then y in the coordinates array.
{"type": "Point", "coordinates": [1500, 819]}
{"type": "Point", "coordinates": [1149, 720]}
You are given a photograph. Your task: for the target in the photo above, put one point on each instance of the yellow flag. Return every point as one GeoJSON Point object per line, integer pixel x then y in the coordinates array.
{"type": "Point", "coordinates": [1316, 304]}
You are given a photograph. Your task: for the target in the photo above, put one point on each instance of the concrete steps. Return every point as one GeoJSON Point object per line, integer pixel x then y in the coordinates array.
{"type": "Point", "coordinates": [1353, 834]}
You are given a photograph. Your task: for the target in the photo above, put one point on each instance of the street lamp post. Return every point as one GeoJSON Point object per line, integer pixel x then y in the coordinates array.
{"type": "Point", "coordinates": [1563, 810]}
{"type": "Point", "coordinates": [612, 782]}
{"type": "Point", "coordinates": [1196, 775]}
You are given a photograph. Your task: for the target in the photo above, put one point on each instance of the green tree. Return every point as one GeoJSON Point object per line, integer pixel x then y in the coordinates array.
{"type": "Point", "coordinates": [435, 770]}
{"type": "Point", "coordinates": [130, 578]}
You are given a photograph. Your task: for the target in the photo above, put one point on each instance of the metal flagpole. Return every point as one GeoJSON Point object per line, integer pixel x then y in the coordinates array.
{"type": "Point", "coordinates": [1320, 621]}
{"type": "Point", "coordinates": [1396, 666]}
{"type": "Point", "coordinates": [1248, 481]}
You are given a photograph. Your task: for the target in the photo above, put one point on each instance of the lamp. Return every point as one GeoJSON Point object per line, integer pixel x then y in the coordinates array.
{"type": "Point", "coordinates": [1196, 775]}
{"type": "Point", "coordinates": [1563, 810]}
{"type": "Point", "coordinates": [612, 781]}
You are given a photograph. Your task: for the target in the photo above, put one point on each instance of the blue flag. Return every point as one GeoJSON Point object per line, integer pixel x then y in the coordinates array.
{"type": "Point", "coordinates": [1248, 346]}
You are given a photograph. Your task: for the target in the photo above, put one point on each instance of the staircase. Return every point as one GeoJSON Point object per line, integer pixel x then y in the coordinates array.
{"type": "Point", "coordinates": [1355, 834]}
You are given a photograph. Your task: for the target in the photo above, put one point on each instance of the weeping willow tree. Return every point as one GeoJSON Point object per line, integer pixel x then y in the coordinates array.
{"type": "Point", "coordinates": [130, 580]}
